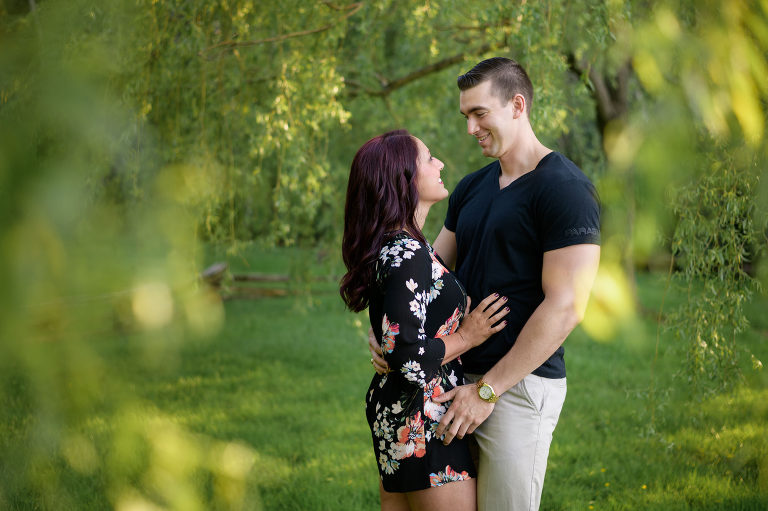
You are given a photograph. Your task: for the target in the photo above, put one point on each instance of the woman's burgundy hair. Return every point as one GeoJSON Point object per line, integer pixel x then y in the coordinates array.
{"type": "Point", "coordinates": [381, 200]}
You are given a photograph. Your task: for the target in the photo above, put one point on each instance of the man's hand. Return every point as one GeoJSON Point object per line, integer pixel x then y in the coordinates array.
{"type": "Point", "coordinates": [464, 415]}
{"type": "Point", "coordinates": [377, 357]}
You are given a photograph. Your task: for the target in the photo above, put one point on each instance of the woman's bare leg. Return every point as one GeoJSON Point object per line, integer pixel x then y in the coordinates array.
{"type": "Point", "coordinates": [456, 496]}
{"type": "Point", "coordinates": [393, 501]}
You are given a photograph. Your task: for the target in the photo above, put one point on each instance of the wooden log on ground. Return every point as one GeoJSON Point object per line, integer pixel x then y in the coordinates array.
{"type": "Point", "coordinates": [214, 274]}
{"type": "Point", "coordinates": [260, 277]}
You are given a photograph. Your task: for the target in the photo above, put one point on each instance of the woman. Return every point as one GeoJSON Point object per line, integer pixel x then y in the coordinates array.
{"type": "Point", "coordinates": [415, 306]}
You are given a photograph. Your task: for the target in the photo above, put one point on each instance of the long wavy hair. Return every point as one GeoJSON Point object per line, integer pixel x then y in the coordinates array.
{"type": "Point", "coordinates": [381, 199]}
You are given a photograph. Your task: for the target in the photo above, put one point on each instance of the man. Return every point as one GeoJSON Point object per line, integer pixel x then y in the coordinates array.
{"type": "Point", "coordinates": [526, 226]}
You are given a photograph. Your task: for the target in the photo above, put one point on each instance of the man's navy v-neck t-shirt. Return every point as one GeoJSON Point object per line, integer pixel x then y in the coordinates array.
{"type": "Point", "coordinates": [501, 237]}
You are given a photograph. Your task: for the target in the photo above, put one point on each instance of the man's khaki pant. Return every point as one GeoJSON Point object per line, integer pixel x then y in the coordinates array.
{"type": "Point", "coordinates": [514, 444]}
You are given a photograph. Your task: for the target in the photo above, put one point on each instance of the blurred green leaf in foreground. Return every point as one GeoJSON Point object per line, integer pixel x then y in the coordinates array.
{"type": "Point", "coordinates": [94, 268]}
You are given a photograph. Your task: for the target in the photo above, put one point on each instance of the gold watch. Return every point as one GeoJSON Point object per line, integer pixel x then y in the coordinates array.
{"type": "Point", "coordinates": [486, 392]}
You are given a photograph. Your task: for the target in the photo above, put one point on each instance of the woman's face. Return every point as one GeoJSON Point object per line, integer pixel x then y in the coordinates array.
{"type": "Point", "coordinates": [428, 182]}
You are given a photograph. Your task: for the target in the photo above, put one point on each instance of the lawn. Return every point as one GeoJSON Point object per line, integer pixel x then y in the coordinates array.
{"type": "Point", "coordinates": [285, 379]}
{"type": "Point", "coordinates": [301, 368]}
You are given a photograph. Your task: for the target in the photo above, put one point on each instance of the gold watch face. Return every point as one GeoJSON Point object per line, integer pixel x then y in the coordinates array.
{"type": "Point", "coordinates": [485, 392]}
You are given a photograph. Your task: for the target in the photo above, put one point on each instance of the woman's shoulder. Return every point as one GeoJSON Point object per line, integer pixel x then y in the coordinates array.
{"type": "Point", "coordinates": [401, 243]}
{"type": "Point", "coordinates": [402, 248]}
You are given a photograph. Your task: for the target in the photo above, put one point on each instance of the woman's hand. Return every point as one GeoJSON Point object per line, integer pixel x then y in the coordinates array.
{"type": "Point", "coordinates": [478, 325]}
{"type": "Point", "coordinates": [377, 356]}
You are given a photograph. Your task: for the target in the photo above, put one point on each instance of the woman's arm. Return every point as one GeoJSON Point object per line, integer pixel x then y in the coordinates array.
{"type": "Point", "coordinates": [407, 287]}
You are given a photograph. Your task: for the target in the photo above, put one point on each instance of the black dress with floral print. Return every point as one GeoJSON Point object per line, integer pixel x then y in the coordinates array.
{"type": "Point", "coordinates": [416, 301]}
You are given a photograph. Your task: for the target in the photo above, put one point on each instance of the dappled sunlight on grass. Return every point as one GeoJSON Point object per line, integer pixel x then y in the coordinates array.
{"type": "Point", "coordinates": [742, 404]}
{"type": "Point", "coordinates": [288, 382]}
{"type": "Point", "coordinates": [730, 437]}
{"type": "Point", "coordinates": [620, 446]}
{"type": "Point", "coordinates": [272, 410]}
{"type": "Point", "coordinates": [154, 454]}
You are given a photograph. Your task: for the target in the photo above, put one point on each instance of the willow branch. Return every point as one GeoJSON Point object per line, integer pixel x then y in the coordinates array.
{"type": "Point", "coordinates": [453, 28]}
{"type": "Point", "coordinates": [337, 8]}
{"type": "Point", "coordinates": [391, 86]}
{"type": "Point", "coordinates": [351, 8]}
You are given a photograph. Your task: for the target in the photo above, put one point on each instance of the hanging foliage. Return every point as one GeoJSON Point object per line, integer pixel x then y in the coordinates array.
{"type": "Point", "coordinates": [701, 130]}
{"type": "Point", "coordinates": [715, 240]}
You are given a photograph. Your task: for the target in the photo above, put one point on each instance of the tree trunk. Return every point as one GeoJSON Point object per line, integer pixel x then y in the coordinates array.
{"type": "Point", "coordinates": [611, 95]}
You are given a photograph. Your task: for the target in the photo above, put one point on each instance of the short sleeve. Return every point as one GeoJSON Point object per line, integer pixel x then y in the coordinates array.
{"type": "Point", "coordinates": [569, 214]}
{"type": "Point", "coordinates": [406, 287]}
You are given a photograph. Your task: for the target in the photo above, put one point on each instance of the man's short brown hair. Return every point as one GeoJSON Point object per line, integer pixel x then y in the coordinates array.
{"type": "Point", "coordinates": [507, 77]}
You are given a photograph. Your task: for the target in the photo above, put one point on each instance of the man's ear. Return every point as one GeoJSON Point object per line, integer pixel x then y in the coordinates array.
{"type": "Point", "coordinates": [518, 103]}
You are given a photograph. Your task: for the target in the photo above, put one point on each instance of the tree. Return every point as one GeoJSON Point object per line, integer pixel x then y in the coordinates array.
{"type": "Point", "coordinates": [131, 132]}
{"type": "Point", "coordinates": [703, 67]}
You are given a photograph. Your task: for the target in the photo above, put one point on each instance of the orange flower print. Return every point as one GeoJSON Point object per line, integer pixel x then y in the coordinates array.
{"type": "Point", "coordinates": [448, 476]}
{"type": "Point", "coordinates": [411, 441]}
{"type": "Point", "coordinates": [437, 269]}
{"type": "Point", "coordinates": [388, 333]}
{"type": "Point", "coordinates": [451, 325]}
{"type": "Point", "coordinates": [434, 411]}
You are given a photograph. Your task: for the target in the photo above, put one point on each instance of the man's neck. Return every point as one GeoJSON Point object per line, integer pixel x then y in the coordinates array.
{"type": "Point", "coordinates": [523, 158]}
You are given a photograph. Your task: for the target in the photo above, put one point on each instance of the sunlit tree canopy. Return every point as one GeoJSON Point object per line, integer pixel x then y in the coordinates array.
{"type": "Point", "coordinates": [137, 134]}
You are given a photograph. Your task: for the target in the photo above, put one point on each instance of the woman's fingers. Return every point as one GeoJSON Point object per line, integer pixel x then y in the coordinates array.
{"type": "Point", "coordinates": [377, 356]}
{"type": "Point", "coordinates": [495, 306]}
{"type": "Point", "coordinates": [488, 300]}
{"type": "Point", "coordinates": [493, 313]}
{"type": "Point", "coordinates": [491, 304]}
{"type": "Point", "coordinates": [379, 364]}
{"type": "Point", "coordinates": [498, 328]}
{"type": "Point", "coordinates": [500, 314]}
{"type": "Point", "coordinates": [478, 324]}
{"type": "Point", "coordinates": [373, 343]}
{"type": "Point", "coordinates": [380, 369]}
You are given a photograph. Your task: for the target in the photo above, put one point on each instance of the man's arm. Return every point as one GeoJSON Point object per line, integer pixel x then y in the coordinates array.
{"type": "Point", "coordinates": [445, 246]}
{"type": "Point", "coordinates": [567, 277]}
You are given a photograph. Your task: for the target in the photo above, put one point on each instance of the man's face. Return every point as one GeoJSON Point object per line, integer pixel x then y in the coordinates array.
{"type": "Point", "coordinates": [489, 119]}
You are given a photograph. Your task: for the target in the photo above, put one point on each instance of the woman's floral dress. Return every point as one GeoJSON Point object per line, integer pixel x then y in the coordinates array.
{"type": "Point", "coordinates": [416, 301]}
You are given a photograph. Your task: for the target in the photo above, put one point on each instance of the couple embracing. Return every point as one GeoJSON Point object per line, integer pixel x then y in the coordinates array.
{"type": "Point", "coordinates": [467, 332]}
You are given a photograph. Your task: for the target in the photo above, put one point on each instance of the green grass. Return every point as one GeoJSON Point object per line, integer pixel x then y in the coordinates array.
{"type": "Point", "coordinates": [303, 369]}
{"type": "Point", "coordinates": [286, 378]}
{"type": "Point", "coordinates": [619, 446]}
{"type": "Point", "coordinates": [289, 382]}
